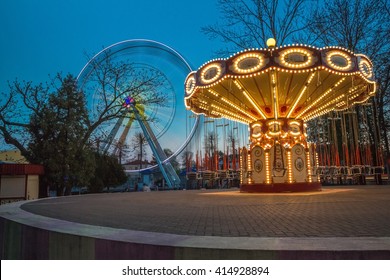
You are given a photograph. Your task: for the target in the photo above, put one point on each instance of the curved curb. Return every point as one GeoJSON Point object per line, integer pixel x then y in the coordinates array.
{"type": "Point", "coordinates": [165, 245]}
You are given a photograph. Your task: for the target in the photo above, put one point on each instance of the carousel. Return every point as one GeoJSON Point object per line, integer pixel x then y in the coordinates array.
{"type": "Point", "coordinates": [275, 92]}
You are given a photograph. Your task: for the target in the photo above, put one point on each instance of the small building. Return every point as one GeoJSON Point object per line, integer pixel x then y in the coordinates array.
{"type": "Point", "coordinates": [19, 181]}
{"type": "Point", "coordinates": [136, 165]}
{"type": "Point", "coordinates": [138, 179]}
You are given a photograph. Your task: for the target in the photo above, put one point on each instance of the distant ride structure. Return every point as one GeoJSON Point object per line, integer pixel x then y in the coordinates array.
{"type": "Point", "coordinates": [275, 91]}
{"type": "Point", "coordinates": [132, 86]}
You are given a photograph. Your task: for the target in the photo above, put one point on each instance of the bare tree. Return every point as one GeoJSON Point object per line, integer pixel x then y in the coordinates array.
{"type": "Point", "coordinates": [23, 100]}
{"type": "Point", "coordinates": [355, 25]}
{"type": "Point", "coordinates": [249, 23]}
{"type": "Point", "coordinates": [109, 82]}
{"type": "Point", "coordinates": [105, 87]}
{"type": "Point", "coordinates": [386, 6]}
{"type": "Point", "coordinates": [362, 26]}
{"type": "Point", "coordinates": [383, 102]}
{"type": "Point", "coordinates": [138, 143]}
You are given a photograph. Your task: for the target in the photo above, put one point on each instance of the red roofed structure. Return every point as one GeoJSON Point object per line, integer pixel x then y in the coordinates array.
{"type": "Point", "coordinates": [19, 181]}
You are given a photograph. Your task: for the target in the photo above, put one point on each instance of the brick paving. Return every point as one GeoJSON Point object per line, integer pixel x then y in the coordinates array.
{"type": "Point", "coordinates": [348, 211]}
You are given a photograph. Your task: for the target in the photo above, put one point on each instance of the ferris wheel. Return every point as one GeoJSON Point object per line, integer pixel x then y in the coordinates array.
{"type": "Point", "coordinates": [134, 96]}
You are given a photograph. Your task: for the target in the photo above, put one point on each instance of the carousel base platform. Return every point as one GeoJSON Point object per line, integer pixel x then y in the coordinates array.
{"type": "Point", "coordinates": [281, 187]}
{"type": "Point", "coordinates": [345, 222]}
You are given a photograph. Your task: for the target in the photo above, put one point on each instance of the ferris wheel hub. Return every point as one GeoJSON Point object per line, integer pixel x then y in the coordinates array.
{"type": "Point", "coordinates": [129, 101]}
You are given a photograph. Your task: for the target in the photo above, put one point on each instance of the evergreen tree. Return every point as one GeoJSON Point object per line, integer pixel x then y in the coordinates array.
{"type": "Point", "coordinates": [55, 138]}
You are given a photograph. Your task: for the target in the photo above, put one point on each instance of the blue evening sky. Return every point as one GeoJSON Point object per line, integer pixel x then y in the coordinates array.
{"type": "Point", "coordinates": [42, 37]}
{"type": "Point", "coordinates": [39, 38]}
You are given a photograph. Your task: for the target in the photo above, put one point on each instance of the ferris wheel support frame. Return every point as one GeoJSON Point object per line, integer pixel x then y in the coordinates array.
{"type": "Point", "coordinates": [112, 134]}
{"type": "Point", "coordinates": [165, 166]}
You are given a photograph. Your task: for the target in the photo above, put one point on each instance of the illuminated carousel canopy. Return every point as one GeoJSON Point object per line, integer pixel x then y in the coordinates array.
{"type": "Point", "coordinates": [291, 82]}
{"type": "Point", "coordinates": [275, 91]}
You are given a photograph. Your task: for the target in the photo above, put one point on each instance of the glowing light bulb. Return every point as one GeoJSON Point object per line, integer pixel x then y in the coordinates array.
{"type": "Point", "coordinates": [271, 43]}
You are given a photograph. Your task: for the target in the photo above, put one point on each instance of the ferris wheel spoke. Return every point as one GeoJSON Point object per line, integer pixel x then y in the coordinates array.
{"type": "Point", "coordinates": [112, 134]}
{"type": "Point", "coordinates": [122, 138]}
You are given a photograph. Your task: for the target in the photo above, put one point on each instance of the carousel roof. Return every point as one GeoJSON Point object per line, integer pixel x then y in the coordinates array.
{"type": "Point", "coordinates": [301, 82]}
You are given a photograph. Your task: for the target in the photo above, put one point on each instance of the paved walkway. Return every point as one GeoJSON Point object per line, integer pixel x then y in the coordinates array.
{"type": "Point", "coordinates": [348, 211]}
